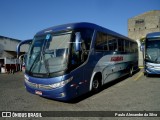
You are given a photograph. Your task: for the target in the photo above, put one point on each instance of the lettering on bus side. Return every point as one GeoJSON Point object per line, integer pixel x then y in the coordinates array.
{"type": "Point", "coordinates": [117, 58]}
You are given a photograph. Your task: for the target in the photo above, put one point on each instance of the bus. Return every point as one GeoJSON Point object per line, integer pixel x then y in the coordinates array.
{"type": "Point", "coordinates": [152, 54]}
{"type": "Point", "coordinates": [66, 61]}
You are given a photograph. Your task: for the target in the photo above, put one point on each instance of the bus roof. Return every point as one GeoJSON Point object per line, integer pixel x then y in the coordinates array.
{"type": "Point", "coordinates": [71, 26]}
{"type": "Point", "coordinates": [153, 35]}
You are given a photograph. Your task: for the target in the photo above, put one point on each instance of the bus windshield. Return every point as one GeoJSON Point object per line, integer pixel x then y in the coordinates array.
{"type": "Point", "coordinates": [153, 50]}
{"type": "Point", "coordinates": [49, 55]}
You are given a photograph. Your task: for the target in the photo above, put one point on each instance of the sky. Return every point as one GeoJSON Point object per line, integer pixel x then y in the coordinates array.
{"type": "Point", "coordinates": [22, 19]}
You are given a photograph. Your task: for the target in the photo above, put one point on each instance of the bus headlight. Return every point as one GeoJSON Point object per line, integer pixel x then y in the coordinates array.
{"type": "Point", "coordinates": [26, 78]}
{"type": "Point", "coordinates": [60, 84]}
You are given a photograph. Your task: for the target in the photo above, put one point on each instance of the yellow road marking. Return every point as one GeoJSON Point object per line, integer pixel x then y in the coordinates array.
{"type": "Point", "coordinates": [140, 74]}
{"type": "Point", "coordinates": [141, 67]}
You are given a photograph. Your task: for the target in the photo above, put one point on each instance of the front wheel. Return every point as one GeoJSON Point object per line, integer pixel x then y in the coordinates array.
{"type": "Point", "coordinates": [96, 85]}
{"type": "Point", "coordinates": [147, 75]}
{"type": "Point", "coordinates": [131, 71]}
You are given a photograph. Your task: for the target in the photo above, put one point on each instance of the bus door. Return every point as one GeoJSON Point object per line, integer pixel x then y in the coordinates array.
{"type": "Point", "coordinates": [77, 63]}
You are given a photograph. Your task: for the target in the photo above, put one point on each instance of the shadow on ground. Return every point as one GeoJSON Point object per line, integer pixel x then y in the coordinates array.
{"type": "Point", "coordinates": [106, 86]}
{"type": "Point", "coordinates": [153, 76]}
{"type": "Point", "coordinates": [89, 94]}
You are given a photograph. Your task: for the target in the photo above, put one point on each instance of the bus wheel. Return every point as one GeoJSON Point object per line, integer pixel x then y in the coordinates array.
{"type": "Point", "coordinates": [131, 71]}
{"type": "Point", "coordinates": [147, 75]}
{"type": "Point", "coordinates": [96, 85]}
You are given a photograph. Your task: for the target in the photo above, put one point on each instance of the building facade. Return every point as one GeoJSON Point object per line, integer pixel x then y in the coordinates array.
{"type": "Point", "coordinates": [141, 25]}
{"type": "Point", "coordinates": [8, 55]}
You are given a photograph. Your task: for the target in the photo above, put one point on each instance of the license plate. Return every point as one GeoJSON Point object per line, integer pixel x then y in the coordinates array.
{"type": "Point", "coordinates": [38, 92]}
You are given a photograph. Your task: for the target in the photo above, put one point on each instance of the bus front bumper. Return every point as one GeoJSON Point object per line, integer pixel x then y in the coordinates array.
{"type": "Point", "coordinates": [152, 71]}
{"type": "Point", "coordinates": [152, 68]}
{"type": "Point", "coordinates": [56, 94]}
{"type": "Point", "coordinates": [52, 88]}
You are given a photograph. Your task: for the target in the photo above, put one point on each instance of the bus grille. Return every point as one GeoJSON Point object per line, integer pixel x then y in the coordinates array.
{"type": "Point", "coordinates": [39, 86]}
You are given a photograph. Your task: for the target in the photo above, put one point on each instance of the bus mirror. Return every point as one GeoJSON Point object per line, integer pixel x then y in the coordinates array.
{"type": "Point", "coordinates": [25, 57]}
{"type": "Point", "coordinates": [78, 41]}
{"type": "Point", "coordinates": [22, 58]}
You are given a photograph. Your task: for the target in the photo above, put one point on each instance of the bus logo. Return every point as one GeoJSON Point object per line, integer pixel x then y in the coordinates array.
{"type": "Point", "coordinates": [117, 58]}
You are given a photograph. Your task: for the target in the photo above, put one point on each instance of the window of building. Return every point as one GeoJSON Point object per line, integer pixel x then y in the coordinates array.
{"type": "Point", "coordinates": [140, 21]}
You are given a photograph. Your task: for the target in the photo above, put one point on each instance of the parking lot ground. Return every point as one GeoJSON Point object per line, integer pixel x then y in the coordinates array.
{"type": "Point", "coordinates": [136, 93]}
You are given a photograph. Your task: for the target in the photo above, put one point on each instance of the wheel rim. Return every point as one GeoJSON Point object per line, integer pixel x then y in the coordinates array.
{"type": "Point", "coordinates": [131, 71]}
{"type": "Point", "coordinates": [95, 84]}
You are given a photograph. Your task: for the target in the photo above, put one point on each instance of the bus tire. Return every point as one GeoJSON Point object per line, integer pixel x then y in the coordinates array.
{"type": "Point", "coordinates": [96, 84]}
{"type": "Point", "coordinates": [131, 71]}
{"type": "Point", "coordinates": [147, 75]}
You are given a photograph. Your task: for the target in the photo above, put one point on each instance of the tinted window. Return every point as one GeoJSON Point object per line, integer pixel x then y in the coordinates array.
{"type": "Point", "coordinates": [112, 43]}
{"type": "Point", "coordinates": [101, 41]}
{"type": "Point", "coordinates": [132, 49]}
{"type": "Point", "coordinates": [135, 47]}
{"type": "Point", "coordinates": [106, 42]}
{"type": "Point", "coordinates": [86, 35]}
{"type": "Point", "coordinates": [127, 46]}
{"type": "Point", "coordinates": [120, 45]}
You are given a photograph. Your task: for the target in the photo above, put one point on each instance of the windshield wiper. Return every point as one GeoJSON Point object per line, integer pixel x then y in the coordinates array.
{"type": "Point", "coordinates": [42, 58]}
{"type": "Point", "coordinates": [34, 62]}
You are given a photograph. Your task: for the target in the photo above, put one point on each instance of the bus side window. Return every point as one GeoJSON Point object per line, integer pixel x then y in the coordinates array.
{"type": "Point", "coordinates": [99, 42]}
{"type": "Point", "coordinates": [135, 48]}
{"type": "Point", "coordinates": [132, 48]}
{"type": "Point", "coordinates": [105, 42]}
{"type": "Point", "coordinates": [86, 35]}
{"type": "Point", "coordinates": [121, 45]}
{"type": "Point", "coordinates": [127, 46]}
{"type": "Point", "coordinates": [112, 43]}
{"type": "Point", "coordinates": [75, 56]}
{"type": "Point", "coordinates": [78, 57]}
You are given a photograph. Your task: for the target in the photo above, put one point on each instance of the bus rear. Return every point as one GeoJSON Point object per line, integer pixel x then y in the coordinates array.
{"type": "Point", "coordinates": [152, 54]}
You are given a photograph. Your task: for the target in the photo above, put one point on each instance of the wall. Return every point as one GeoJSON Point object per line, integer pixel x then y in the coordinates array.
{"type": "Point", "coordinates": [141, 25]}
{"type": "Point", "coordinates": [8, 47]}
{"type": "Point", "coordinates": [145, 23]}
